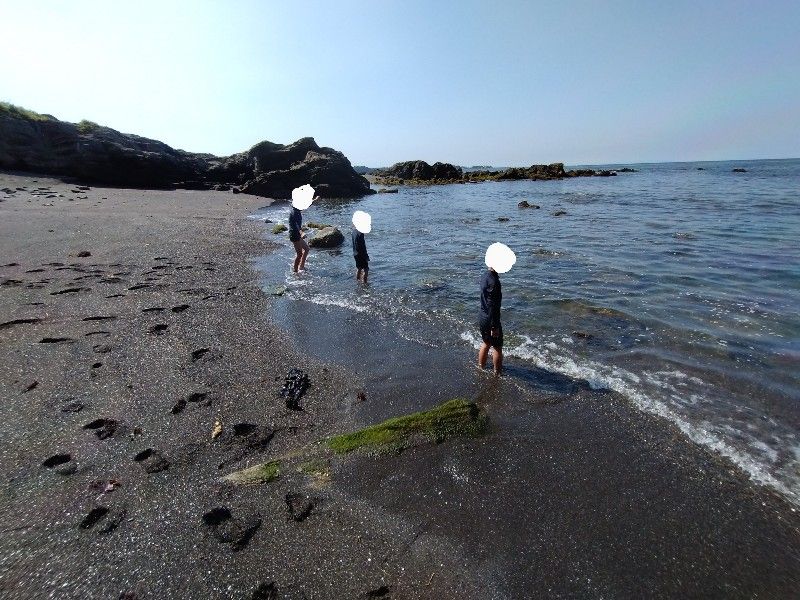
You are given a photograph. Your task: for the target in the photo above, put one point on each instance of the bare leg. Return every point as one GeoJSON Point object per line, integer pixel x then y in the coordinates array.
{"type": "Point", "coordinates": [497, 361]}
{"type": "Point", "coordinates": [297, 259]}
{"type": "Point", "coordinates": [303, 255]}
{"type": "Point", "coordinates": [364, 275]}
{"type": "Point", "coordinates": [483, 352]}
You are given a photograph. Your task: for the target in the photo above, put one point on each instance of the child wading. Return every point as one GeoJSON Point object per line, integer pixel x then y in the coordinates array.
{"type": "Point", "coordinates": [499, 259]}
{"type": "Point", "coordinates": [302, 197]}
{"type": "Point", "coordinates": [362, 223]}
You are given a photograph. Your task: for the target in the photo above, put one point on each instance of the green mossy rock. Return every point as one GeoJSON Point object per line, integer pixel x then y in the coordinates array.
{"type": "Point", "coordinates": [279, 228]}
{"type": "Point", "coordinates": [455, 418]}
{"type": "Point", "coordinates": [263, 473]}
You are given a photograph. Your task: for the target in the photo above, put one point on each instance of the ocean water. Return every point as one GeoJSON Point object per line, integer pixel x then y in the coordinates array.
{"type": "Point", "coordinates": [674, 286]}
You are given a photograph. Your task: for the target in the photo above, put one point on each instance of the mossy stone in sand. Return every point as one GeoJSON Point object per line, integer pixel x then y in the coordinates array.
{"type": "Point", "coordinates": [454, 418]}
{"type": "Point", "coordinates": [262, 473]}
{"type": "Point", "coordinates": [279, 228]}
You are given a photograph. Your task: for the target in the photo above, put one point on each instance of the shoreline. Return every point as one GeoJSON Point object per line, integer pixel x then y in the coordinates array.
{"type": "Point", "coordinates": [633, 506]}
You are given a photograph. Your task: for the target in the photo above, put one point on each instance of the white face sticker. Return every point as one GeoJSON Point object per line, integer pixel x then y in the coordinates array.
{"type": "Point", "coordinates": [500, 257]}
{"type": "Point", "coordinates": [362, 221]}
{"type": "Point", "coordinates": [302, 197]}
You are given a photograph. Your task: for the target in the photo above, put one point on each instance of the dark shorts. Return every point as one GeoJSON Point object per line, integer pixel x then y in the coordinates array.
{"type": "Point", "coordinates": [486, 335]}
{"type": "Point", "coordinates": [294, 236]}
{"type": "Point", "coordinates": [361, 262]}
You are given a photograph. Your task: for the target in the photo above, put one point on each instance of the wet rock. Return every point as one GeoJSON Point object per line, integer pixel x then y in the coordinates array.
{"type": "Point", "coordinates": [526, 204]}
{"type": "Point", "coordinates": [387, 191]}
{"type": "Point", "coordinates": [739, 170]}
{"type": "Point", "coordinates": [503, 219]}
{"type": "Point", "coordinates": [559, 213]}
{"type": "Point", "coordinates": [83, 254]}
{"type": "Point", "coordinates": [330, 237]}
{"type": "Point", "coordinates": [295, 385]}
{"type": "Point", "coordinates": [582, 334]}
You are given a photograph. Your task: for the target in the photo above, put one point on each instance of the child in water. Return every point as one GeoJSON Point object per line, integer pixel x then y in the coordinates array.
{"type": "Point", "coordinates": [362, 223]}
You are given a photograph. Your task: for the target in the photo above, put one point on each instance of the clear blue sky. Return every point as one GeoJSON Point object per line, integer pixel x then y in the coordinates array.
{"type": "Point", "coordinates": [500, 83]}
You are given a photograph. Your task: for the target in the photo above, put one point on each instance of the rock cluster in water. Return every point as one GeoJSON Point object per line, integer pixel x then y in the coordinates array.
{"type": "Point", "coordinates": [418, 171]}
{"type": "Point", "coordinates": [89, 152]}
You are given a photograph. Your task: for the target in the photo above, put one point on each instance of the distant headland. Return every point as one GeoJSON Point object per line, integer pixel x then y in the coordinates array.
{"type": "Point", "coordinates": [92, 153]}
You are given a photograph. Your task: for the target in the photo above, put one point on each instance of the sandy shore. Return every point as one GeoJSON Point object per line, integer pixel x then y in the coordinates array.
{"type": "Point", "coordinates": [163, 330]}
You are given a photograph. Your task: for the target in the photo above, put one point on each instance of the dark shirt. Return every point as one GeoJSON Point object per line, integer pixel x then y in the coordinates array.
{"type": "Point", "coordinates": [359, 245]}
{"type": "Point", "coordinates": [491, 297]}
{"type": "Point", "coordinates": [295, 223]}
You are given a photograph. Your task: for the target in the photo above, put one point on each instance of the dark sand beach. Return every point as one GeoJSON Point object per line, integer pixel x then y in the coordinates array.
{"type": "Point", "coordinates": [139, 314]}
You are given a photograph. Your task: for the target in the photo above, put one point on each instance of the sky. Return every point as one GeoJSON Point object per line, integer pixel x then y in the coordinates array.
{"type": "Point", "coordinates": [471, 83]}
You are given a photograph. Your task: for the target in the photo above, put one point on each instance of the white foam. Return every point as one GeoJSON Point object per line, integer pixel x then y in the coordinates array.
{"type": "Point", "coordinates": [600, 376]}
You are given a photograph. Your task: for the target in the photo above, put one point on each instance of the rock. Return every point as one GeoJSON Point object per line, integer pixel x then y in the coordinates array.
{"type": "Point", "coordinates": [295, 385]}
{"type": "Point", "coordinates": [526, 204]}
{"type": "Point", "coordinates": [387, 191]}
{"type": "Point", "coordinates": [739, 170]}
{"type": "Point", "coordinates": [279, 228]}
{"type": "Point", "coordinates": [90, 152]}
{"type": "Point", "coordinates": [83, 254]}
{"type": "Point", "coordinates": [300, 506]}
{"type": "Point", "coordinates": [330, 237]}
{"type": "Point", "coordinates": [502, 219]}
{"type": "Point", "coordinates": [420, 170]}
{"type": "Point", "coordinates": [625, 170]}
{"type": "Point", "coordinates": [559, 213]}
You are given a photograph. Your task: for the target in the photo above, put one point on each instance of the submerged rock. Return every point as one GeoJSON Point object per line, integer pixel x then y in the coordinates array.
{"type": "Point", "coordinates": [330, 237]}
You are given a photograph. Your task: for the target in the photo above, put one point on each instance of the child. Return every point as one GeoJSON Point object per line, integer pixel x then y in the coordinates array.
{"type": "Point", "coordinates": [302, 197]}
{"type": "Point", "coordinates": [362, 223]}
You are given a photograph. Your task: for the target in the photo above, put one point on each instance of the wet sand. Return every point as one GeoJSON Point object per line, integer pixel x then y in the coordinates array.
{"type": "Point", "coordinates": [163, 329]}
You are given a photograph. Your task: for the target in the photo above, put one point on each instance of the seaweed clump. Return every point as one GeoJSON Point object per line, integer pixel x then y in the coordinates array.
{"type": "Point", "coordinates": [454, 418]}
{"type": "Point", "coordinates": [261, 473]}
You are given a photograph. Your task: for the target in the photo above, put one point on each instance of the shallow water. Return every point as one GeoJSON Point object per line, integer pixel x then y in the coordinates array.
{"type": "Point", "coordinates": [676, 287]}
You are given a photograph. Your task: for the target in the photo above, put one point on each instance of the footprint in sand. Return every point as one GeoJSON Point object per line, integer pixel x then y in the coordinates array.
{"type": "Point", "coordinates": [102, 428]}
{"type": "Point", "coordinates": [159, 328]}
{"type": "Point", "coordinates": [98, 514]}
{"type": "Point", "coordinates": [56, 340]}
{"type": "Point", "coordinates": [19, 322]}
{"type": "Point", "coordinates": [151, 461]}
{"type": "Point", "coordinates": [61, 464]}
{"type": "Point", "coordinates": [71, 291]}
{"type": "Point", "coordinates": [228, 529]}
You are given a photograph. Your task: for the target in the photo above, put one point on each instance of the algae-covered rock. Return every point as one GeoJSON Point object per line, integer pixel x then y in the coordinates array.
{"type": "Point", "coordinates": [455, 418]}
{"type": "Point", "coordinates": [279, 228]}
{"type": "Point", "coordinates": [261, 473]}
{"type": "Point", "coordinates": [330, 237]}
{"type": "Point", "coordinates": [313, 225]}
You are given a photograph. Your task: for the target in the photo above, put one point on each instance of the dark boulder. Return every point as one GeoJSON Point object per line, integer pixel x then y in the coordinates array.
{"type": "Point", "coordinates": [330, 237]}
{"type": "Point", "coordinates": [422, 171]}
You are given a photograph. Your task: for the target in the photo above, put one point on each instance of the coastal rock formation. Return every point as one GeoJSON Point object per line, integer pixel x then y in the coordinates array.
{"type": "Point", "coordinates": [421, 173]}
{"type": "Point", "coordinates": [89, 152]}
{"type": "Point", "coordinates": [419, 169]}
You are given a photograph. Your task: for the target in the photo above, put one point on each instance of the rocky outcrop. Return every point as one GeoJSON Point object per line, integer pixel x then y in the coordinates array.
{"type": "Point", "coordinates": [420, 170]}
{"type": "Point", "coordinates": [95, 154]}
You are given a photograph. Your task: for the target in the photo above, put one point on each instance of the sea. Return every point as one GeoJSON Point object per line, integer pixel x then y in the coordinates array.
{"type": "Point", "coordinates": [676, 286]}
